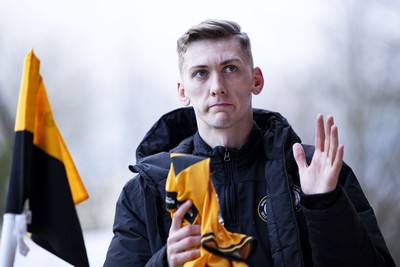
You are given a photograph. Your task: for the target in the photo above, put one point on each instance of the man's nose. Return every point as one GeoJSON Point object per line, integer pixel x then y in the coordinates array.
{"type": "Point", "coordinates": [217, 85]}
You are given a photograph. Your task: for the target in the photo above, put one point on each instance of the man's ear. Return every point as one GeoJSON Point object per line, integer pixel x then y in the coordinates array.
{"type": "Point", "coordinates": [182, 95]}
{"type": "Point", "coordinates": [258, 81]}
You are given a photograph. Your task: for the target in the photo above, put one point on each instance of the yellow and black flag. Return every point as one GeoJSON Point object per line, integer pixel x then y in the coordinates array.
{"type": "Point", "coordinates": [43, 179]}
{"type": "Point", "coordinates": [189, 178]}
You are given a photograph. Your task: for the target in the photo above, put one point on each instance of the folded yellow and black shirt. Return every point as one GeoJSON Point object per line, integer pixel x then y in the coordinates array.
{"type": "Point", "coordinates": [189, 178]}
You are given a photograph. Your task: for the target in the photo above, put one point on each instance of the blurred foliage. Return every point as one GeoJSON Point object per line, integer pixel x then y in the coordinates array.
{"type": "Point", "coordinates": [5, 159]}
{"type": "Point", "coordinates": [6, 137]}
{"type": "Point", "coordinates": [358, 80]}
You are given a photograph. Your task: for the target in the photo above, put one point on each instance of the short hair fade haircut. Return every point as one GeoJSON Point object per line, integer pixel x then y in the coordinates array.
{"type": "Point", "coordinates": [213, 29]}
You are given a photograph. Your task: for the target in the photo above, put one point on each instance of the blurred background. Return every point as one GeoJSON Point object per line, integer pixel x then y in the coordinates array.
{"type": "Point", "coordinates": [110, 70]}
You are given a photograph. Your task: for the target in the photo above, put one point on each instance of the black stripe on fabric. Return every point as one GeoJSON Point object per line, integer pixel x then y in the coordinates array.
{"type": "Point", "coordinates": [43, 180]}
{"type": "Point", "coordinates": [55, 224]}
{"type": "Point", "coordinates": [19, 182]}
{"type": "Point", "coordinates": [235, 252]}
{"type": "Point", "coordinates": [182, 162]}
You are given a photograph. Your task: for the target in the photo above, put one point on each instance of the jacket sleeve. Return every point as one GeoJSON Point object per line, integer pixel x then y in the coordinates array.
{"type": "Point", "coordinates": [136, 240]}
{"type": "Point", "coordinates": [347, 233]}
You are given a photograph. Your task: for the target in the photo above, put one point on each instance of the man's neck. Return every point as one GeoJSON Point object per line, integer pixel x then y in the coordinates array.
{"type": "Point", "coordinates": [231, 137]}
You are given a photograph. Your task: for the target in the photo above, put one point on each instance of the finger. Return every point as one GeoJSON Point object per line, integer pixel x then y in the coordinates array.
{"type": "Point", "coordinates": [337, 164]}
{"type": "Point", "coordinates": [319, 133]}
{"type": "Point", "coordinates": [179, 259]}
{"type": "Point", "coordinates": [300, 157]}
{"type": "Point", "coordinates": [184, 238]}
{"type": "Point", "coordinates": [192, 238]}
{"type": "Point", "coordinates": [328, 128]}
{"type": "Point", "coordinates": [179, 214]}
{"type": "Point", "coordinates": [183, 245]}
{"type": "Point", "coordinates": [188, 237]}
{"type": "Point", "coordinates": [334, 142]}
{"type": "Point", "coordinates": [189, 255]}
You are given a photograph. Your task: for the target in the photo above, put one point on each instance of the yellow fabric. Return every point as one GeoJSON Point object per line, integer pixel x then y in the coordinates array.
{"type": "Point", "coordinates": [191, 180]}
{"type": "Point", "coordinates": [34, 115]}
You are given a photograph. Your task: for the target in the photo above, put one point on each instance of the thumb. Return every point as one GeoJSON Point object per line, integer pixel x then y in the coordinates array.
{"type": "Point", "coordinates": [299, 156]}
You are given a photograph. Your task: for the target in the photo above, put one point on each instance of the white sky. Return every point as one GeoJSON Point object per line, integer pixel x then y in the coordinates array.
{"type": "Point", "coordinates": [93, 30]}
{"type": "Point", "coordinates": [99, 58]}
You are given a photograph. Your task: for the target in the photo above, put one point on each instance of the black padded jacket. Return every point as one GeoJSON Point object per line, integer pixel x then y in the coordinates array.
{"type": "Point", "coordinates": [340, 230]}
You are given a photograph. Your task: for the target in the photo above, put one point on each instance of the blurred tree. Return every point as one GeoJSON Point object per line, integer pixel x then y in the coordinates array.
{"type": "Point", "coordinates": [374, 93]}
{"type": "Point", "coordinates": [359, 81]}
{"type": "Point", "coordinates": [6, 134]}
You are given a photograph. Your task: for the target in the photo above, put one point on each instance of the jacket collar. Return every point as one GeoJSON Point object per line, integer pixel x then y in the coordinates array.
{"type": "Point", "coordinates": [176, 130]}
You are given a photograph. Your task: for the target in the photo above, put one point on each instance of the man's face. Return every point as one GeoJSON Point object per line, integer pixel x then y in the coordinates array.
{"type": "Point", "coordinates": [218, 81]}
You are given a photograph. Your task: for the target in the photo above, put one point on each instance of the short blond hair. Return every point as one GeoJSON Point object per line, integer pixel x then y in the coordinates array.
{"type": "Point", "coordinates": [213, 29]}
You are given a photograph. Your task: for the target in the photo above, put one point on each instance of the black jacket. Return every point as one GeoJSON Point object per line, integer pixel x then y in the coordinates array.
{"type": "Point", "coordinates": [334, 229]}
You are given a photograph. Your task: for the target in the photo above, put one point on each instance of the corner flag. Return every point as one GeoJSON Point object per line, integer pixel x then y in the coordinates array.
{"type": "Point", "coordinates": [44, 184]}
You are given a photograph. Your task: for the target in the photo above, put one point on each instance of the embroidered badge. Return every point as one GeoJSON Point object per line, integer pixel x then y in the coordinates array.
{"type": "Point", "coordinates": [262, 204]}
{"type": "Point", "coordinates": [296, 198]}
{"type": "Point", "coordinates": [262, 209]}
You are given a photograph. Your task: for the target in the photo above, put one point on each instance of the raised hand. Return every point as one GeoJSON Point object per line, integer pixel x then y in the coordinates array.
{"type": "Point", "coordinates": [321, 176]}
{"type": "Point", "coordinates": [183, 242]}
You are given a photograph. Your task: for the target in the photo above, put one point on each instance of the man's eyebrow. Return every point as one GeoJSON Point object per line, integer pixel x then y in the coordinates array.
{"type": "Point", "coordinates": [225, 62]}
{"type": "Point", "coordinates": [198, 67]}
{"type": "Point", "coordinates": [228, 61]}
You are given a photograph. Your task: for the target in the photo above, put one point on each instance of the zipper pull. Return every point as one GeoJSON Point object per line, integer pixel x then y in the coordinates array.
{"type": "Point", "coordinates": [227, 156]}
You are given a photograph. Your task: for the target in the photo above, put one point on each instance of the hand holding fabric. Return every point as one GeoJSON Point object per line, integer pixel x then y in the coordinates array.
{"type": "Point", "coordinates": [183, 243]}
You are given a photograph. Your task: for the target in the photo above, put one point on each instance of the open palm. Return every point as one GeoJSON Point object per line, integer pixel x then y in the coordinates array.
{"type": "Point", "coordinates": [321, 176]}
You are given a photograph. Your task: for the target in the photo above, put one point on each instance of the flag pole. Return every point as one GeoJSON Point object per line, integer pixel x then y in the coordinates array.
{"type": "Point", "coordinates": [8, 242]}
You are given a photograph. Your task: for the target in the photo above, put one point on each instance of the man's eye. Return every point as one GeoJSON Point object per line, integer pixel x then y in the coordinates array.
{"type": "Point", "coordinates": [231, 69]}
{"type": "Point", "coordinates": [200, 73]}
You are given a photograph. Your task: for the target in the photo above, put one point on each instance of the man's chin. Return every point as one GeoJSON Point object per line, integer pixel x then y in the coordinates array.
{"type": "Point", "coordinates": [221, 120]}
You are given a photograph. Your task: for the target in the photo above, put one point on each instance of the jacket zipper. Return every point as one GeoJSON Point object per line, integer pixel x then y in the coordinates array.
{"type": "Point", "coordinates": [227, 155]}
{"type": "Point", "coordinates": [230, 190]}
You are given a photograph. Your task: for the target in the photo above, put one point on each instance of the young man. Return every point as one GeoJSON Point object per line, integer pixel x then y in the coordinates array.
{"type": "Point", "coordinates": [302, 204]}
